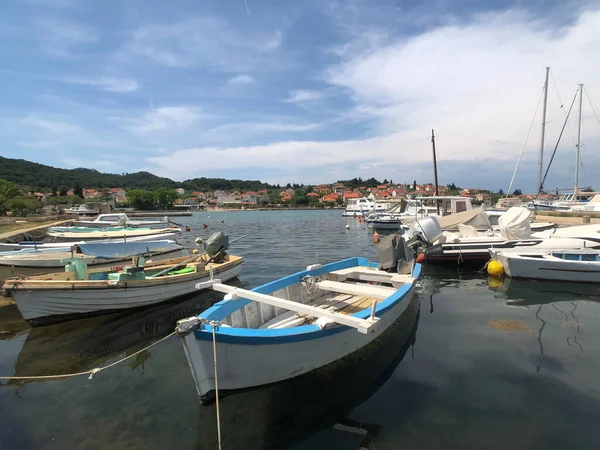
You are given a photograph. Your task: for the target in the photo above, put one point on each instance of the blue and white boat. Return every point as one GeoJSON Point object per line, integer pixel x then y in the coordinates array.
{"type": "Point", "coordinates": [577, 265]}
{"type": "Point", "coordinates": [30, 261]}
{"type": "Point", "coordinates": [299, 323]}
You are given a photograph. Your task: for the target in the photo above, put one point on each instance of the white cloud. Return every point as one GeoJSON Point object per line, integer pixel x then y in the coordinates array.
{"type": "Point", "coordinates": [106, 83]}
{"type": "Point", "coordinates": [167, 118]}
{"type": "Point", "coordinates": [476, 83]}
{"type": "Point", "coordinates": [304, 95]}
{"type": "Point", "coordinates": [241, 79]}
{"type": "Point", "coordinates": [205, 42]}
{"type": "Point", "coordinates": [52, 126]}
{"type": "Point", "coordinates": [60, 38]}
{"type": "Point", "coordinates": [41, 143]}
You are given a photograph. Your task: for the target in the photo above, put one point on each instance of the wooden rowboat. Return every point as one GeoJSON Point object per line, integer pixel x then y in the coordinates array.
{"type": "Point", "coordinates": [297, 324]}
{"type": "Point", "coordinates": [78, 290]}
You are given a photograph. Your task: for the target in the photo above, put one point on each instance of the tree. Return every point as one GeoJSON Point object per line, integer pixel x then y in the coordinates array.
{"type": "Point", "coordinates": [141, 199]}
{"type": "Point", "coordinates": [517, 192]}
{"type": "Point", "coordinates": [54, 191]}
{"type": "Point", "coordinates": [21, 206]}
{"type": "Point", "coordinates": [501, 192]}
{"type": "Point", "coordinates": [414, 186]}
{"type": "Point", "coordinates": [78, 190]}
{"type": "Point", "coordinates": [8, 192]}
{"type": "Point", "coordinates": [165, 197]}
{"type": "Point", "coordinates": [63, 191]}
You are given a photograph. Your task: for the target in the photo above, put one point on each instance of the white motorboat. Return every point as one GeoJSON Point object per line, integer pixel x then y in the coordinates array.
{"type": "Point", "coordinates": [32, 261]}
{"type": "Point", "coordinates": [81, 209]}
{"type": "Point", "coordinates": [363, 207]}
{"type": "Point", "coordinates": [109, 234]}
{"type": "Point", "coordinates": [121, 219]}
{"type": "Point", "coordinates": [468, 245]}
{"type": "Point", "coordinates": [556, 265]}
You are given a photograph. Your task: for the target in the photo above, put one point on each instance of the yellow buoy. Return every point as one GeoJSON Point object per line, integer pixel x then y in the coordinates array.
{"type": "Point", "coordinates": [495, 282]}
{"type": "Point", "coordinates": [495, 269]}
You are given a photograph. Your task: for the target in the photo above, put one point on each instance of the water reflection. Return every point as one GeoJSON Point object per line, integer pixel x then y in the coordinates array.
{"type": "Point", "coordinates": [284, 413]}
{"type": "Point", "coordinates": [83, 344]}
{"type": "Point", "coordinates": [553, 302]}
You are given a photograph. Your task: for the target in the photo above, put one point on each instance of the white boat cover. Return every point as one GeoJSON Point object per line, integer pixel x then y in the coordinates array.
{"type": "Point", "coordinates": [514, 223]}
{"type": "Point", "coordinates": [477, 218]}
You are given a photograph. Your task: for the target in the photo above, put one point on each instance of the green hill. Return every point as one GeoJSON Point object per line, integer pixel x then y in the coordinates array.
{"type": "Point", "coordinates": [39, 177]}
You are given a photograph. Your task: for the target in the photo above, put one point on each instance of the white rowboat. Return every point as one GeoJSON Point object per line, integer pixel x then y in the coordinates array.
{"type": "Point", "coordinates": [295, 325]}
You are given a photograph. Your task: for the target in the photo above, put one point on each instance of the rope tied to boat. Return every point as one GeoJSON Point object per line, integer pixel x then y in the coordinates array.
{"type": "Point", "coordinates": [90, 373]}
{"type": "Point", "coordinates": [214, 324]}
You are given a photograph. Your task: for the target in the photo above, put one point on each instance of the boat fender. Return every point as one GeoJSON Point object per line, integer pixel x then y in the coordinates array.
{"type": "Point", "coordinates": [421, 258]}
{"type": "Point", "coordinates": [314, 267]}
{"type": "Point", "coordinates": [495, 269]}
{"type": "Point", "coordinates": [376, 237]}
{"type": "Point", "coordinates": [189, 325]}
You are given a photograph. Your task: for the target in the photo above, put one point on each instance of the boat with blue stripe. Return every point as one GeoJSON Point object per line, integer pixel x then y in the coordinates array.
{"type": "Point", "coordinates": [299, 323]}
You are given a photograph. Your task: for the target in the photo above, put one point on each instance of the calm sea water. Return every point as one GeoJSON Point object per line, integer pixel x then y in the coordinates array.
{"type": "Point", "coordinates": [492, 365]}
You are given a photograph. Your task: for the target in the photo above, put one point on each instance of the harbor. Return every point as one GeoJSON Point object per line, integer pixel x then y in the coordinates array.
{"type": "Point", "coordinates": [477, 358]}
{"type": "Point", "coordinates": [299, 225]}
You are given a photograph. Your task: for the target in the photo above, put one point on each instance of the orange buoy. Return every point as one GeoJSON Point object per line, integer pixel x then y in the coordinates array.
{"type": "Point", "coordinates": [187, 228]}
{"type": "Point", "coordinates": [421, 257]}
{"type": "Point", "coordinates": [205, 226]}
{"type": "Point", "coordinates": [376, 237]}
{"type": "Point", "coordinates": [359, 219]}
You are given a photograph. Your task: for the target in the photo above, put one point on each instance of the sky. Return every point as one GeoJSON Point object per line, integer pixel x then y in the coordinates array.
{"type": "Point", "coordinates": [302, 91]}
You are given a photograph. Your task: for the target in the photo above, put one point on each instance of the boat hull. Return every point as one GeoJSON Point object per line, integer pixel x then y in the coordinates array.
{"type": "Point", "coordinates": [248, 363]}
{"type": "Point", "coordinates": [24, 267]}
{"type": "Point", "coordinates": [519, 266]}
{"type": "Point", "coordinates": [477, 251]}
{"type": "Point", "coordinates": [284, 413]}
{"type": "Point", "coordinates": [62, 303]}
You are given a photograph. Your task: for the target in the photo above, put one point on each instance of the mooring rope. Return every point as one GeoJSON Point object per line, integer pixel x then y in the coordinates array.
{"type": "Point", "coordinates": [214, 326]}
{"type": "Point", "coordinates": [90, 372]}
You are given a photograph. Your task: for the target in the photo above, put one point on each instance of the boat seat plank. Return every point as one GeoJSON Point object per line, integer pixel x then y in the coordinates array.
{"type": "Point", "coordinates": [291, 318]}
{"type": "Point", "coordinates": [360, 304]}
{"type": "Point", "coordinates": [356, 289]}
{"type": "Point", "coordinates": [276, 321]}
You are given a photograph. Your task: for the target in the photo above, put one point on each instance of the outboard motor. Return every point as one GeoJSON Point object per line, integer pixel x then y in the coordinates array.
{"type": "Point", "coordinates": [426, 230]}
{"type": "Point", "coordinates": [395, 255]}
{"type": "Point", "coordinates": [216, 242]}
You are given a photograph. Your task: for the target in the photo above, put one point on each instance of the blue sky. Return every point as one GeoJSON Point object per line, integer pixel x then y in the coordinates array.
{"type": "Point", "coordinates": [299, 91]}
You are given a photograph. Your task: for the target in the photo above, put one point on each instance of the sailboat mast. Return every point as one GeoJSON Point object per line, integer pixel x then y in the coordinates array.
{"type": "Point", "coordinates": [437, 203]}
{"type": "Point", "coordinates": [541, 161]}
{"type": "Point", "coordinates": [578, 144]}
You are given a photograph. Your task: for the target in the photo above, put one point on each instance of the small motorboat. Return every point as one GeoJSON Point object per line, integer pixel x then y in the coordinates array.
{"type": "Point", "coordinates": [32, 261]}
{"type": "Point", "coordinates": [300, 323]}
{"type": "Point", "coordinates": [431, 244]}
{"type": "Point", "coordinates": [557, 265]}
{"type": "Point", "coordinates": [81, 209]}
{"type": "Point", "coordinates": [87, 234]}
{"type": "Point", "coordinates": [79, 290]}
{"type": "Point", "coordinates": [121, 219]}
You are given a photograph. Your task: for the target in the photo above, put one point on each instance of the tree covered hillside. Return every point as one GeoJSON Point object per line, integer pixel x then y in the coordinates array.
{"type": "Point", "coordinates": [39, 177]}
